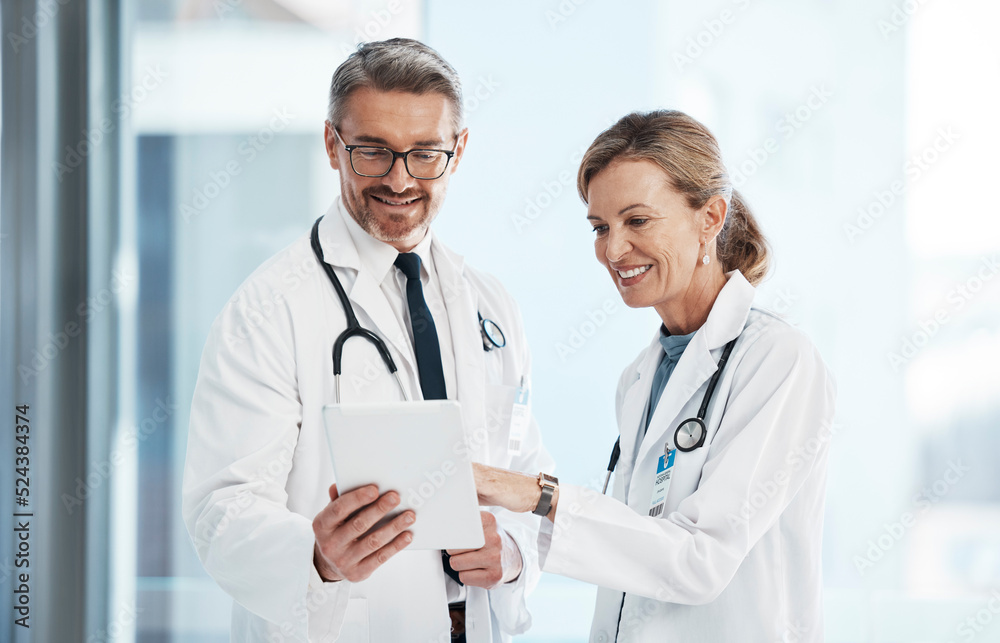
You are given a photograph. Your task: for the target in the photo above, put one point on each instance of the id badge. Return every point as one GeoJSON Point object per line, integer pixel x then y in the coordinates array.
{"type": "Point", "coordinates": [519, 418]}
{"type": "Point", "coordinates": [664, 472]}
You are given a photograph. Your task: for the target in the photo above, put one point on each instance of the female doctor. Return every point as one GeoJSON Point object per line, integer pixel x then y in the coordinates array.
{"type": "Point", "coordinates": [714, 528]}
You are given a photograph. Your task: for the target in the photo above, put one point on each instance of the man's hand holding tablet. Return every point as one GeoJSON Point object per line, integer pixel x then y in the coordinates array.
{"type": "Point", "coordinates": [349, 546]}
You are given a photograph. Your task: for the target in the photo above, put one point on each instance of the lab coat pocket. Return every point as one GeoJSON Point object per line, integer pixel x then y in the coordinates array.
{"type": "Point", "coordinates": [499, 405]}
{"type": "Point", "coordinates": [355, 628]}
{"type": "Point", "coordinates": [494, 364]}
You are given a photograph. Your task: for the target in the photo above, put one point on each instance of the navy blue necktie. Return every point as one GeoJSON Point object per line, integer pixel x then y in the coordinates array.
{"type": "Point", "coordinates": [425, 338]}
{"type": "Point", "coordinates": [426, 346]}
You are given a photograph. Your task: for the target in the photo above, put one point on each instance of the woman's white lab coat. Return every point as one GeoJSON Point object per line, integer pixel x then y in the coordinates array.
{"type": "Point", "coordinates": [258, 465]}
{"type": "Point", "coordinates": [735, 554]}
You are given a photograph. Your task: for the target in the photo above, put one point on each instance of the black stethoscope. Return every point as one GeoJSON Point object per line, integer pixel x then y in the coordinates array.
{"type": "Point", "coordinates": [690, 434]}
{"type": "Point", "coordinates": [493, 337]}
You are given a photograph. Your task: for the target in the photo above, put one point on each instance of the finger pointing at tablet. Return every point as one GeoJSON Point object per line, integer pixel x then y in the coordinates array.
{"type": "Point", "coordinates": [348, 545]}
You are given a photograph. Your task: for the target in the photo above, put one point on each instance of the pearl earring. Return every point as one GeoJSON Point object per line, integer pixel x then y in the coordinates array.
{"type": "Point", "coordinates": [705, 259]}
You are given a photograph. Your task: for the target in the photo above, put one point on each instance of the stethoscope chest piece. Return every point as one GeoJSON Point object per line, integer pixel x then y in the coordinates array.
{"type": "Point", "coordinates": [690, 435]}
{"type": "Point", "coordinates": [493, 337]}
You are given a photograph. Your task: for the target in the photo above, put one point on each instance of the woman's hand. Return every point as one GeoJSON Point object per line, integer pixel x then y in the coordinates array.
{"type": "Point", "coordinates": [514, 491]}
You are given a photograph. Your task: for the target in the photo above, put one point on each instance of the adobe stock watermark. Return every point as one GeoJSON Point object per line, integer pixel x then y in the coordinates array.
{"type": "Point", "coordinates": [550, 190]}
{"type": "Point", "coordinates": [268, 473]}
{"type": "Point", "coordinates": [974, 625]}
{"type": "Point", "coordinates": [57, 342]}
{"type": "Point", "coordinates": [786, 127]}
{"type": "Point", "coordinates": [635, 616]}
{"type": "Point", "coordinates": [371, 372]}
{"type": "Point", "coordinates": [434, 480]}
{"type": "Point", "coordinates": [223, 8]}
{"type": "Point", "coordinates": [916, 167]}
{"type": "Point", "coordinates": [591, 493]}
{"type": "Point", "coordinates": [373, 28]}
{"type": "Point", "coordinates": [894, 531]}
{"type": "Point", "coordinates": [902, 13]}
{"type": "Point", "coordinates": [795, 632]}
{"type": "Point", "coordinates": [296, 631]}
{"type": "Point", "coordinates": [568, 511]}
{"type": "Point", "coordinates": [6, 570]}
{"type": "Point", "coordinates": [29, 28]}
{"type": "Point", "coordinates": [121, 108]}
{"type": "Point", "coordinates": [478, 437]}
{"type": "Point", "coordinates": [578, 335]}
{"type": "Point", "coordinates": [562, 12]}
{"type": "Point", "coordinates": [126, 617]}
{"type": "Point", "coordinates": [206, 533]}
{"type": "Point", "coordinates": [482, 92]}
{"type": "Point", "coordinates": [248, 149]}
{"type": "Point", "coordinates": [956, 299]}
{"type": "Point", "coordinates": [256, 313]}
{"type": "Point", "coordinates": [101, 471]}
{"type": "Point", "coordinates": [765, 491]}
{"type": "Point", "coordinates": [636, 613]}
{"type": "Point", "coordinates": [783, 302]}
{"type": "Point", "coordinates": [712, 29]}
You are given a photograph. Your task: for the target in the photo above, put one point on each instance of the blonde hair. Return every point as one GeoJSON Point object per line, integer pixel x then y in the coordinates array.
{"type": "Point", "coordinates": [689, 155]}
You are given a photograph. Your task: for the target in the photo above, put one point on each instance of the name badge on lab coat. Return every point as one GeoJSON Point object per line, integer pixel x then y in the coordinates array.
{"type": "Point", "coordinates": [664, 471]}
{"type": "Point", "coordinates": [518, 420]}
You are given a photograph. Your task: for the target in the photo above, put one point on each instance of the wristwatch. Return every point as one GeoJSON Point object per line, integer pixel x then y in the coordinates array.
{"type": "Point", "coordinates": [549, 484]}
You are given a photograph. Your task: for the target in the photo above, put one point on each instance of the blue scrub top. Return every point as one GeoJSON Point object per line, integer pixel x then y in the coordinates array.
{"type": "Point", "coordinates": [673, 348]}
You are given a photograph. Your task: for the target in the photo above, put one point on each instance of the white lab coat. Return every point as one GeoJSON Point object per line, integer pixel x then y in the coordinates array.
{"type": "Point", "coordinates": [735, 555]}
{"type": "Point", "coordinates": [258, 465]}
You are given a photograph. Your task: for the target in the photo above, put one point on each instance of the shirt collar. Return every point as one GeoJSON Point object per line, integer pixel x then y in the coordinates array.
{"type": "Point", "coordinates": [423, 250]}
{"type": "Point", "coordinates": [377, 257]}
{"type": "Point", "coordinates": [674, 345]}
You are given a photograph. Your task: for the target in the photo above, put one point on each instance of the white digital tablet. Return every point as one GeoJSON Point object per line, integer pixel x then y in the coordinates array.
{"type": "Point", "coordinates": [418, 449]}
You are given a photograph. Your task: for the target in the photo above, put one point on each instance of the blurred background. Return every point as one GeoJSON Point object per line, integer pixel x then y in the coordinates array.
{"type": "Point", "coordinates": [154, 152]}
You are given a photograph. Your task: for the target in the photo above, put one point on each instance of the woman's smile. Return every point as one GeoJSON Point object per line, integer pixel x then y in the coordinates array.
{"type": "Point", "coordinates": [631, 275]}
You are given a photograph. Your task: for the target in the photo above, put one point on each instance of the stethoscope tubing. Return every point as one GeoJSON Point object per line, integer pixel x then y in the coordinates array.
{"type": "Point", "coordinates": [715, 379]}
{"type": "Point", "coordinates": [355, 329]}
{"type": "Point", "coordinates": [700, 418]}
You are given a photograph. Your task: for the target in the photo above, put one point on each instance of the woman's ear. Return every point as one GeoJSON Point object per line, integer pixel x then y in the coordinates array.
{"type": "Point", "coordinates": [715, 216]}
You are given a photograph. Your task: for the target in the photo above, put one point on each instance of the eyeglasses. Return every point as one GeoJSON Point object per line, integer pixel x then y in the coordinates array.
{"type": "Point", "coordinates": [373, 161]}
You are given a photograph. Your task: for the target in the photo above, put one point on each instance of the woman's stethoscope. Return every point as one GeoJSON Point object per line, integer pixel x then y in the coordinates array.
{"type": "Point", "coordinates": [690, 434]}
{"type": "Point", "coordinates": [493, 337]}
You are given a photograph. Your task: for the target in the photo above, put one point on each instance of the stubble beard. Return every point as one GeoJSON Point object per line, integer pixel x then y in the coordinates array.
{"type": "Point", "coordinates": [391, 228]}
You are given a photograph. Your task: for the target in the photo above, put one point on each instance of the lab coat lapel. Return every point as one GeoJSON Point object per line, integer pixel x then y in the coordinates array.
{"type": "Point", "coordinates": [697, 365]}
{"type": "Point", "coordinates": [461, 304]}
{"type": "Point", "coordinates": [633, 407]}
{"type": "Point", "coordinates": [693, 369]}
{"type": "Point", "coordinates": [365, 293]}
{"type": "Point", "coordinates": [368, 295]}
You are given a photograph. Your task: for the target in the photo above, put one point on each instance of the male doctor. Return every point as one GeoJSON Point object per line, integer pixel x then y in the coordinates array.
{"type": "Point", "coordinates": [302, 559]}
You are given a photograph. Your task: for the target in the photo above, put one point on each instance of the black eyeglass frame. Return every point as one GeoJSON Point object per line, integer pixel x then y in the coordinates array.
{"type": "Point", "coordinates": [396, 155]}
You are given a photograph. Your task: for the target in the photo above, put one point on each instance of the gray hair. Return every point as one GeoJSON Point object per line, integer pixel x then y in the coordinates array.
{"type": "Point", "coordinates": [399, 64]}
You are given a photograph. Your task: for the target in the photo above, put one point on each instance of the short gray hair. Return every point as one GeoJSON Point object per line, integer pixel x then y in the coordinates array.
{"type": "Point", "coordinates": [399, 64]}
